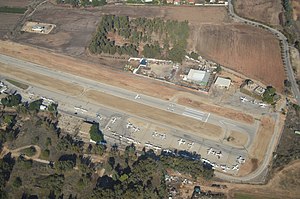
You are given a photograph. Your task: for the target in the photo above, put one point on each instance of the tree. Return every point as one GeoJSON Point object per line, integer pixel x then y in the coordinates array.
{"type": "Point", "coordinates": [269, 94]}
{"type": "Point", "coordinates": [95, 133]}
{"type": "Point", "coordinates": [17, 182]}
{"type": "Point", "coordinates": [35, 105]}
{"type": "Point", "coordinates": [11, 100]}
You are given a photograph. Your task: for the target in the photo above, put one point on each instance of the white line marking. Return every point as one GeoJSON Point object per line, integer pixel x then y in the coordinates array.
{"type": "Point", "coordinates": [193, 116]}
{"type": "Point", "coordinates": [194, 111]}
{"type": "Point", "coordinates": [207, 117]}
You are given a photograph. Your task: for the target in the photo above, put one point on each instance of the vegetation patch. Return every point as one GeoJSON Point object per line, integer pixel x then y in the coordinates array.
{"type": "Point", "coordinates": [31, 151]}
{"type": "Point", "coordinates": [16, 10]}
{"type": "Point", "coordinates": [152, 38]}
{"type": "Point", "coordinates": [18, 84]}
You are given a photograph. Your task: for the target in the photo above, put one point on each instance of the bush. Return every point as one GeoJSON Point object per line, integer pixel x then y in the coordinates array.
{"type": "Point", "coordinates": [17, 182]}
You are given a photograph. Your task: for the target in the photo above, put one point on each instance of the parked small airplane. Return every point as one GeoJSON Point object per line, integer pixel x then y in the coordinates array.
{"type": "Point", "coordinates": [137, 96]}
{"type": "Point", "coordinates": [244, 99]}
{"type": "Point", "coordinates": [181, 141]}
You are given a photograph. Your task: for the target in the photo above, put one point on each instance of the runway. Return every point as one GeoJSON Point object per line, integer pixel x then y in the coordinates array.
{"type": "Point", "coordinates": [133, 96]}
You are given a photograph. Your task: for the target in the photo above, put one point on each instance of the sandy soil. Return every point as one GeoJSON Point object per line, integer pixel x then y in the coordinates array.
{"type": "Point", "coordinates": [41, 80]}
{"type": "Point", "coordinates": [296, 9]}
{"type": "Point", "coordinates": [8, 21]}
{"type": "Point", "coordinates": [188, 124]}
{"type": "Point", "coordinates": [242, 48]}
{"type": "Point", "coordinates": [225, 112]}
{"type": "Point", "coordinates": [240, 139]}
{"type": "Point", "coordinates": [266, 11]}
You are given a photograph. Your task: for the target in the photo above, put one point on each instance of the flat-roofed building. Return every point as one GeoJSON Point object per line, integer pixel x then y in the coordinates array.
{"type": "Point", "coordinates": [223, 82]}
{"type": "Point", "coordinates": [198, 76]}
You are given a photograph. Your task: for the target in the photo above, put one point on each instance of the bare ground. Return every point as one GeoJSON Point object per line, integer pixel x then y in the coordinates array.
{"type": "Point", "coordinates": [266, 11]}
{"type": "Point", "coordinates": [296, 9]}
{"type": "Point", "coordinates": [8, 22]}
{"type": "Point", "coordinates": [14, 3]}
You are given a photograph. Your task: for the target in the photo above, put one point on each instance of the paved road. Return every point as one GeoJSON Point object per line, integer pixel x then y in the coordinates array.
{"type": "Point", "coordinates": [135, 97]}
{"type": "Point", "coordinates": [284, 45]}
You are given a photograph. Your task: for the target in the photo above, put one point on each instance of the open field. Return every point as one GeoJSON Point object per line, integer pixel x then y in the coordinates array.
{"type": "Point", "coordinates": [14, 3]}
{"type": "Point", "coordinates": [124, 80]}
{"type": "Point", "coordinates": [266, 11]}
{"type": "Point", "coordinates": [212, 33]}
{"type": "Point", "coordinates": [8, 21]}
{"type": "Point", "coordinates": [244, 49]}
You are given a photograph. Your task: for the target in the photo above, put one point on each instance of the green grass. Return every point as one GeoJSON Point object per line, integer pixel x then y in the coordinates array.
{"type": "Point", "coordinates": [17, 10]}
{"type": "Point", "coordinates": [249, 196]}
{"type": "Point", "coordinates": [29, 151]}
{"type": "Point", "coordinates": [18, 84]}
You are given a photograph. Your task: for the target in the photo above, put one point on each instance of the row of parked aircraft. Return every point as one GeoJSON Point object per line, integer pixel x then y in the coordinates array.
{"type": "Point", "coordinates": [244, 99]}
{"type": "Point", "coordinates": [161, 136]}
{"type": "Point", "coordinates": [130, 125]}
{"type": "Point", "coordinates": [149, 145]}
{"type": "Point", "coordinates": [129, 140]}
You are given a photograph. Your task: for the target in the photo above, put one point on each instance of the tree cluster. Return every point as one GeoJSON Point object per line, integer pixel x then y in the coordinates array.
{"type": "Point", "coordinates": [159, 39]}
{"type": "Point", "coordinates": [11, 100]}
{"type": "Point", "coordinates": [269, 95]}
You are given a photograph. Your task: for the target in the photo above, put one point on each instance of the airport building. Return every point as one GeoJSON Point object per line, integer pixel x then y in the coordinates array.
{"type": "Point", "coordinates": [198, 77]}
{"type": "Point", "coordinates": [223, 82]}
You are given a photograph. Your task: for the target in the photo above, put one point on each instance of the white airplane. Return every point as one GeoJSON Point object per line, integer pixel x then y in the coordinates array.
{"type": "Point", "coordinates": [136, 129]}
{"type": "Point", "coordinates": [244, 99]}
{"type": "Point", "coordinates": [137, 96]}
{"type": "Point", "coordinates": [263, 105]}
{"type": "Point", "coordinates": [167, 151]}
{"type": "Point", "coordinates": [240, 160]}
{"type": "Point", "coordinates": [181, 141]}
{"type": "Point", "coordinates": [163, 136]}
{"type": "Point", "coordinates": [148, 144]}
{"type": "Point", "coordinates": [77, 108]}
{"type": "Point", "coordinates": [83, 110]}
{"type": "Point", "coordinates": [236, 167]}
{"type": "Point", "coordinates": [210, 151]}
{"type": "Point", "coordinates": [113, 120]}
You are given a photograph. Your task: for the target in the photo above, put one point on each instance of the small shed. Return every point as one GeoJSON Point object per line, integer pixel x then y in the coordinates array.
{"type": "Point", "coordinates": [143, 62]}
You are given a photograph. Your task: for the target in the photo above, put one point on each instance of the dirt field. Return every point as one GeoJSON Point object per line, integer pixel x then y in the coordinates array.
{"type": "Point", "coordinates": [14, 3]}
{"type": "Point", "coordinates": [266, 11]}
{"type": "Point", "coordinates": [244, 49]}
{"type": "Point", "coordinates": [240, 139]}
{"type": "Point", "coordinates": [8, 22]}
